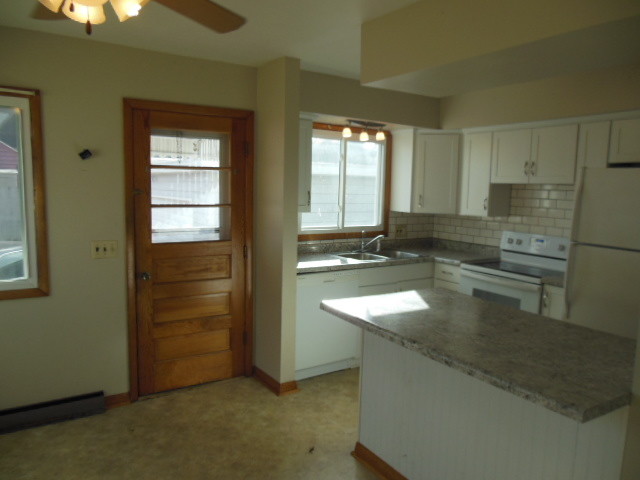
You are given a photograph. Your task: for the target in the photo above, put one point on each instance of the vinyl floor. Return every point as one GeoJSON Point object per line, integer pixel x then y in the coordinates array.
{"type": "Point", "coordinates": [233, 429]}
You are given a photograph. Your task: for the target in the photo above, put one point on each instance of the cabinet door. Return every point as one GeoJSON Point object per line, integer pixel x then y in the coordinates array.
{"type": "Point", "coordinates": [304, 165]}
{"type": "Point", "coordinates": [435, 180]}
{"type": "Point", "coordinates": [446, 285]}
{"type": "Point", "coordinates": [553, 302]}
{"type": "Point", "coordinates": [477, 196]}
{"type": "Point", "coordinates": [418, 284]}
{"type": "Point", "coordinates": [554, 154]}
{"type": "Point", "coordinates": [625, 141]}
{"type": "Point", "coordinates": [593, 144]}
{"type": "Point", "coordinates": [511, 156]}
{"type": "Point", "coordinates": [377, 289]}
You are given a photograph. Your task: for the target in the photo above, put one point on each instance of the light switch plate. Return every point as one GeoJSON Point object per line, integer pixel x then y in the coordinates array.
{"type": "Point", "coordinates": [104, 248]}
{"type": "Point", "coordinates": [401, 231]}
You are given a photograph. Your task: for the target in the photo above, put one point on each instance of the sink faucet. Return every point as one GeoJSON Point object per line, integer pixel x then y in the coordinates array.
{"type": "Point", "coordinates": [363, 246]}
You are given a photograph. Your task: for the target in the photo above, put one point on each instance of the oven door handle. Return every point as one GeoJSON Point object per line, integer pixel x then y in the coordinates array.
{"type": "Point", "coordinates": [527, 287]}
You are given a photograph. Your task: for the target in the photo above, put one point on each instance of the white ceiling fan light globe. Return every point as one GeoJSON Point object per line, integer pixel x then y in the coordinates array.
{"type": "Point", "coordinates": [125, 9]}
{"type": "Point", "coordinates": [83, 13]}
{"type": "Point", "coordinates": [53, 5]}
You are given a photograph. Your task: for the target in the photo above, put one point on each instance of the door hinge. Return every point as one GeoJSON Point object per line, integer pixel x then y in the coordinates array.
{"type": "Point", "coordinates": [245, 251]}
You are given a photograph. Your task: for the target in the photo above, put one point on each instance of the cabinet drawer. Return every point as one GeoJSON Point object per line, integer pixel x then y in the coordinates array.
{"type": "Point", "coordinates": [445, 284]}
{"type": "Point", "coordinates": [395, 273]}
{"type": "Point", "coordinates": [449, 273]}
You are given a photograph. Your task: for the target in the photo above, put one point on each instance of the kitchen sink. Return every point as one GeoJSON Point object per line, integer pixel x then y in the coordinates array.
{"type": "Point", "coordinates": [396, 254]}
{"type": "Point", "coordinates": [363, 256]}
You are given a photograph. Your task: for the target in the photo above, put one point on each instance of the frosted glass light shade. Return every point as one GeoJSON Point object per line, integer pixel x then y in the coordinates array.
{"type": "Point", "coordinates": [380, 135]}
{"type": "Point", "coordinates": [53, 5]}
{"type": "Point", "coordinates": [125, 9]}
{"type": "Point", "coordinates": [364, 136]}
{"type": "Point", "coordinates": [83, 13]}
{"type": "Point", "coordinates": [346, 132]}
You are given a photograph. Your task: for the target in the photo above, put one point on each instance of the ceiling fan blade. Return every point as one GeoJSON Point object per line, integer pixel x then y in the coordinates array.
{"type": "Point", "coordinates": [40, 12]}
{"type": "Point", "coordinates": [207, 13]}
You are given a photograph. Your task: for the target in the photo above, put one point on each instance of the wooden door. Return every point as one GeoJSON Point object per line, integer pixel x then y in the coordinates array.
{"type": "Point", "coordinates": [191, 212]}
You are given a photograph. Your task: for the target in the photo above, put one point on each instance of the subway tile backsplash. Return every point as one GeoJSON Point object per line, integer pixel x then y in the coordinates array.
{"type": "Point", "coordinates": [542, 209]}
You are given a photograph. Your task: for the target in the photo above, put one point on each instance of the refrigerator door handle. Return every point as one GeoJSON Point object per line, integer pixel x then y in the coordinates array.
{"type": "Point", "coordinates": [577, 206]}
{"type": "Point", "coordinates": [568, 277]}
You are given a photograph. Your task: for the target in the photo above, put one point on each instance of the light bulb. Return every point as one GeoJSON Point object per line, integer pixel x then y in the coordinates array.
{"type": "Point", "coordinates": [364, 136]}
{"type": "Point", "coordinates": [380, 135]}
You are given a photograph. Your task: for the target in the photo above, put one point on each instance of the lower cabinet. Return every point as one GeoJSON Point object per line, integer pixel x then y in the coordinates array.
{"type": "Point", "coordinates": [446, 276]}
{"type": "Point", "coordinates": [552, 304]}
{"type": "Point", "coordinates": [396, 278]}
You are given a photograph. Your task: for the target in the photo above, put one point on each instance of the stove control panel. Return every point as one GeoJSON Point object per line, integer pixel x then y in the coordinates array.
{"type": "Point", "coordinates": [533, 244]}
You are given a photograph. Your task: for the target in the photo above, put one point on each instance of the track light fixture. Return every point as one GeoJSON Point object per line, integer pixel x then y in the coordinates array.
{"type": "Point", "coordinates": [364, 134]}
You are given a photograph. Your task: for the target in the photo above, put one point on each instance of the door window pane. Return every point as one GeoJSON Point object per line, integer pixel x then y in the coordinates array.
{"type": "Point", "coordinates": [12, 213]}
{"type": "Point", "coordinates": [363, 192]}
{"type": "Point", "coordinates": [189, 149]}
{"type": "Point", "coordinates": [189, 224]}
{"type": "Point", "coordinates": [171, 186]}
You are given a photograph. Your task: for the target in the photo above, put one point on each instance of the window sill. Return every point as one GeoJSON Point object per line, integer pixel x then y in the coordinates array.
{"type": "Point", "coordinates": [309, 237]}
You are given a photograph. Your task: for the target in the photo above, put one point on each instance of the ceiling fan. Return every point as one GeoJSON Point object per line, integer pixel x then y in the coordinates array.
{"type": "Point", "coordinates": [91, 12]}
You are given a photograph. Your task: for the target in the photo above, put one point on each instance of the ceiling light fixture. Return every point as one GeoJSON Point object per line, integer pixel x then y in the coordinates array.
{"type": "Point", "coordinates": [346, 131]}
{"type": "Point", "coordinates": [91, 12]}
{"type": "Point", "coordinates": [364, 134]}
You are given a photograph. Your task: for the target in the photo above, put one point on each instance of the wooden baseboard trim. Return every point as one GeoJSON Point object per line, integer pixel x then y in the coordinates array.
{"type": "Point", "coordinates": [279, 389]}
{"type": "Point", "coordinates": [374, 463]}
{"type": "Point", "coordinates": [119, 400]}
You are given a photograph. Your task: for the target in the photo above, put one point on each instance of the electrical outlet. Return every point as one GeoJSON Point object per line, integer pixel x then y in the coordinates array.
{"type": "Point", "coordinates": [401, 231]}
{"type": "Point", "coordinates": [104, 248]}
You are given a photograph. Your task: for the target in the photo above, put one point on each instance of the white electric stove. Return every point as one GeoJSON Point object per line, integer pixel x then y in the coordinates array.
{"type": "Point", "coordinates": [515, 279]}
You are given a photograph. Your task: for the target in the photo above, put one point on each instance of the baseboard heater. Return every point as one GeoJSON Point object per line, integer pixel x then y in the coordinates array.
{"type": "Point", "coordinates": [53, 411]}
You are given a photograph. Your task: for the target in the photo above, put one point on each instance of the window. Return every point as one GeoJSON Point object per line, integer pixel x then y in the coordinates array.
{"type": "Point", "coordinates": [348, 185]}
{"type": "Point", "coordinates": [23, 257]}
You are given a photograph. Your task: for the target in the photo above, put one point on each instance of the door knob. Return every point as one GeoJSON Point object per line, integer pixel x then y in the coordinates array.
{"type": "Point", "coordinates": [145, 276]}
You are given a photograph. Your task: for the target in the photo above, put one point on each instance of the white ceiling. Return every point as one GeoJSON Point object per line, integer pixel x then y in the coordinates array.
{"type": "Point", "coordinates": [324, 35]}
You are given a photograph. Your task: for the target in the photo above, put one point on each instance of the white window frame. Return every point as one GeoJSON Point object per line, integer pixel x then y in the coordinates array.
{"type": "Point", "coordinates": [31, 178]}
{"type": "Point", "coordinates": [382, 179]}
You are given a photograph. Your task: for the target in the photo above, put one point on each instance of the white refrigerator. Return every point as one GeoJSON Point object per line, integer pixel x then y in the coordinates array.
{"type": "Point", "coordinates": [602, 290]}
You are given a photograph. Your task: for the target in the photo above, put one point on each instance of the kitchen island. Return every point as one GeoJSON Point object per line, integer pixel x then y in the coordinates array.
{"type": "Point", "coordinates": [453, 387]}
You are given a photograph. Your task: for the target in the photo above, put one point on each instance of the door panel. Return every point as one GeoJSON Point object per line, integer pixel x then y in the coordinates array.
{"type": "Point", "coordinates": [190, 209]}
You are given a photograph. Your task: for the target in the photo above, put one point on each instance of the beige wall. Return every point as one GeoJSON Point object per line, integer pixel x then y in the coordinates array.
{"type": "Point", "coordinates": [437, 32]}
{"type": "Point", "coordinates": [343, 97]}
{"type": "Point", "coordinates": [599, 91]}
{"type": "Point", "coordinates": [276, 217]}
{"type": "Point", "coordinates": [75, 340]}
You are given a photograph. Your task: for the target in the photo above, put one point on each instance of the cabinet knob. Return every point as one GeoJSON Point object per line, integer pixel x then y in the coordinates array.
{"type": "Point", "coordinates": [485, 203]}
{"type": "Point", "coordinates": [526, 168]}
{"type": "Point", "coordinates": [420, 202]}
{"type": "Point", "coordinates": [532, 169]}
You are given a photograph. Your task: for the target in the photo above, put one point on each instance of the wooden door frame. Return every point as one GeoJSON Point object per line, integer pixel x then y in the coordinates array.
{"type": "Point", "coordinates": [130, 105]}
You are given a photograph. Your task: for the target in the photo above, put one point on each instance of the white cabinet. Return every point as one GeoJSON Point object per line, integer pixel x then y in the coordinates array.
{"type": "Point", "coordinates": [553, 302]}
{"type": "Point", "coordinates": [446, 276]}
{"type": "Point", "coordinates": [625, 141]}
{"type": "Point", "coordinates": [304, 165]}
{"type": "Point", "coordinates": [424, 172]}
{"type": "Point", "coordinates": [535, 155]}
{"type": "Point", "coordinates": [395, 278]}
{"type": "Point", "coordinates": [593, 144]}
{"type": "Point", "coordinates": [324, 343]}
{"type": "Point", "coordinates": [478, 196]}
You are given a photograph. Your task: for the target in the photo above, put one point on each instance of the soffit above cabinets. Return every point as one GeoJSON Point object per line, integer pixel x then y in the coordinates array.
{"type": "Point", "coordinates": [466, 47]}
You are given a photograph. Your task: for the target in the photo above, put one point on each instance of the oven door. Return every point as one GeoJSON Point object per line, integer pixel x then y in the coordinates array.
{"type": "Point", "coordinates": [506, 291]}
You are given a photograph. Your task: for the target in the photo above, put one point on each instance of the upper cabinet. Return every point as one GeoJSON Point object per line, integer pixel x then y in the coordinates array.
{"type": "Point", "coordinates": [535, 155]}
{"type": "Point", "coordinates": [625, 141]}
{"type": "Point", "coordinates": [477, 196]}
{"type": "Point", "coordinates": [304, 165]}
{"type": "Point", "coordinates": [593, 144]}
{"type": "Point", "coordinates": [424, 172]}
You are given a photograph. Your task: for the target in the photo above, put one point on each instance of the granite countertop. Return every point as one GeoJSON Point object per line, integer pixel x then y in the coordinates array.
{"type": "Point", "coordinates": [325, 262]}
{"type": "Point", "coordinates": [575, 371]}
